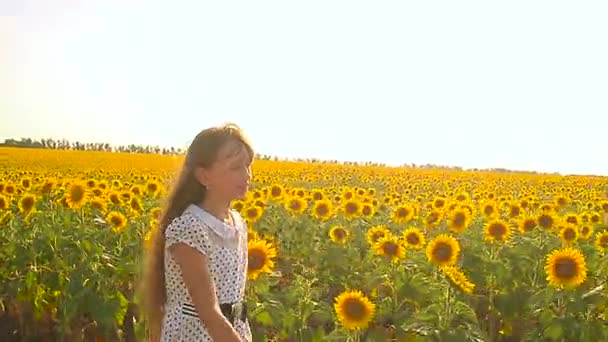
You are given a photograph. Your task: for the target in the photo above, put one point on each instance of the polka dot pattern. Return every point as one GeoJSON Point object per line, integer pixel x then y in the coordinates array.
{"type": "Point", "coordinates": [227, 256]}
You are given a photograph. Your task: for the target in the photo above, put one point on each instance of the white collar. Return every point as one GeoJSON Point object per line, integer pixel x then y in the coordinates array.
{"type": "Point", "coordinates": [221, 228]}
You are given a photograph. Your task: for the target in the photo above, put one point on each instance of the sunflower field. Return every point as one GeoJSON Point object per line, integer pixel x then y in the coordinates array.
{"type": "Point", "coordinates": [336, 252]}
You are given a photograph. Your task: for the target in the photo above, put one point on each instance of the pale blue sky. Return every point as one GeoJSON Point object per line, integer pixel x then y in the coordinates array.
{"type": "Point", "coordinates": [516, 84]}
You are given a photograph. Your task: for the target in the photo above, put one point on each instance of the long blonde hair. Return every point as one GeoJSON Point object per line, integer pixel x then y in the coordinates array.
{"type": "Point", "coordinates": [187, 190]}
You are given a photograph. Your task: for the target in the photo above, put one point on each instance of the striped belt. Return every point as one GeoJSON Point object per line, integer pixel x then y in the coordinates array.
{"type": "Point", "coordinates": [231, 311]}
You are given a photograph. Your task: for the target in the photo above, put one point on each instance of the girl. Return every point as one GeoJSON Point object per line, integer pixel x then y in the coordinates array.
{"type": "Point", "coordinates": [197, 268]}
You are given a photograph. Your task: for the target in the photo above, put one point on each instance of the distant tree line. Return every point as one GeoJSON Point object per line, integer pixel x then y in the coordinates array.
{"type": "Point", "coordinates": [63, 144]}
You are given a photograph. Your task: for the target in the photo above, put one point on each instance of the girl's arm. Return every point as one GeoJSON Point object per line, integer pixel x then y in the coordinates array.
{"type": "Point", "coordinates": [195, 271]}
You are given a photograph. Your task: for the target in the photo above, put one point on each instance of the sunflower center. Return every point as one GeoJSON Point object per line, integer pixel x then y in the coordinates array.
{"type": "Point", "coordinates": [3, 204]}
{"type": "Point", "coordinates": [351, 208]}
{"type": "Point", "coordinates": [116, 221]}
{"type": "Point", "coordinates": [256, 260]}
{"type": "Point", "coordinates": [339, 234]}
{"type": "Point", "coordinates": [571, 219]}
{"type": "Point", "coordinates": [545, 221]}
{"type": "Point", "coordinates": [459, 219]}
{"type": "Point", "coordinates": [322, 209]}
{"type": "Point", "coordinates": [515, 211]}
{"type": "Point", "coordinates": [442, 252]}
{"type": "Point", "coordinates": [585, 230]}
{"type": "Point", "coordinates": [412, 239]}
{"type": "Point", "coordinates": [595, 219]}
{"type": "Point", "coordinates": [252, 213]}
{"type": "Point", "coordinates": [604, 240]}
{"type": "Point", "coordinates": [497, 230]}
{"type": "Point", "coordinates": [390, 248]}
{"type": "Point", "coordinates": [276, 191]}
{"type": "Point", "coordinates": [295, 205]}
{"type": "Point", "coordinates": [77, 193]}
{"type": "Point", "coordinates": [354, 309]}
{"type": "Point", "coordinates": [488, 210]}
{"type": "Point", "coordinates": [565, 268]}
{"type": "Point", "coordinates": [402, 212]}
{"type": "Point", "coordinates": [317, 196]}
{"type": "Point", "coordinates": [28, 203]}
{"type": "Point", "coordinates": [569, 234]}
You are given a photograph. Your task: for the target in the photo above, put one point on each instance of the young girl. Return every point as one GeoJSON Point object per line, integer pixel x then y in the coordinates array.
{"type": "Point", "coordinates": [198, 262]}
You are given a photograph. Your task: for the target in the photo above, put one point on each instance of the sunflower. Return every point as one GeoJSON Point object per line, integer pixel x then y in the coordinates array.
{"type": "Point", "coordinates": [351, 208]}
{"type": "Point", "coordinates": [595, 218]}
{"type": "Point", "coordinates": [10, 189]}
{"type": "Point", "coordinates": [253, 213]}
{"type": "Point", "coordinates": [545, 221]}
{"type": "Point", "coordinates": [3, 202]}
{"type": "Point", "coordinates": [489, 209]}
{"type": "Point", "coordinates": [376, 233]}
{"type": "Point", "coordinates": [117, 220]}
{"type": "Point", "coordinates": [443, 250]}
{"type": "Point", "coordinates": [156, 213]}
{"type": "Point", "coordinates": [238, 205]}
{"type": "Point", "coordinates": [296, 205]}
{"type": "Point", "coordinates": [458, 279]}
{"type": "Point", "coordinates": [402, 214]}
{"type": "Point", "coordinates": [568, 234]}
{"type": "Point", "coordinates": [136, 205]}
{"type": "Point", "coordinates": [601, 241]}
{"type": "Point", "coordinates": [566, 268]}
{"type": "Point", "coordinates": [317, 195]}
{"type": "Point", "coordinates": [99, 204]}
{"type": "Point", "coordinates": [585, 231]}
{"type": "Point", "coordinates": [413, 238]}
{"type": "Point", "coordinates": [339, 234]}
{"type": "Point", "coordinates": [390, 247]}
{"type": "Point", "coordinates": [153, 188]}
{"type": "Point", "coordinates": [260, 258]}
{"type": "Point", "coordinates": [514, 210]}
{"type": "Point", "coordinates": [77, 195]}
{"type": "Point", "coordinates": [433, 218]}
{"type": "Point", "coordinates": [368, 210]}
{"type": "Point", "coordinates": [91, 183]}
{"type": "Point", "coordinates": [26, 183]}
{"type": "Point", "coordinates": [322, 210]}
{"type": "Point", "coordinates": [276, 191]}
{"type": "Point", "coordinates": [354, 310]}
{"type": "Point", "coordinates": [439, 203]}
{"type": "Point", "coordinates": [497, 230]}
{"type": "Point", "coordinates": [459, 220]}
{"type": "Point", "coordinates": [27, 204]}
{"type": "Point", "coordinates": [527, 224]}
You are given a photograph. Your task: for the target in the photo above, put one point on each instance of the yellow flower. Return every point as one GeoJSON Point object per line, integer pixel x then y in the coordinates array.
{"type": "Point", "coordinates": [117, 221]}
{"type": "Point", "coordinates": [27, 204]}
{"type": "Point", "coordinates": [566, 268]}
{"type": "Point", "coordinates": [339, 234]}
{"type": "Point", "coordinates": [458, 279]}
{"type": "Point", "coordinates": [354, 310]}
{"type": "Point", "coordinates": [414, 238]}
{"type": "Point", "coordinates": [322, 210]}
{"type": "Point", "coordinates": [459, 220]}
{"type": "Point", "coordinates": [497, 231]}
{"type": "Point", "coordinates": [403, 214]}
{"type": "Point", "coordinates": [77, 195]}
{"type": "Point", "coordinates": [443, 250]}
{"type": "Point", "coordinates": [376, 233]}
{"type": "Point", "coordinates": [390, 247]}
{"type": "Point", "coordinates": [260, 258]}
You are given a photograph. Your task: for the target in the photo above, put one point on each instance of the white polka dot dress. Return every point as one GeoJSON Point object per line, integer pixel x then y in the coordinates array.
{"type": "Point", "coordinates": [226, 250]}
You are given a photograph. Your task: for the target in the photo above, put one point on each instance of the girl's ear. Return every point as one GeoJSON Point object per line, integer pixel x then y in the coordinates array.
{"type": "Point", "coordinates": [202, 176]}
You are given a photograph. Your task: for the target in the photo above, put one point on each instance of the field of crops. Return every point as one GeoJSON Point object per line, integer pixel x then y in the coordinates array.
{"type": "Point", "coordinates": [336, 252]}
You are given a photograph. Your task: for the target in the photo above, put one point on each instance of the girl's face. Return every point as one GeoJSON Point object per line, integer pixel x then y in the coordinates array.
{"type": "Point", "coordinates": [229, 176]}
